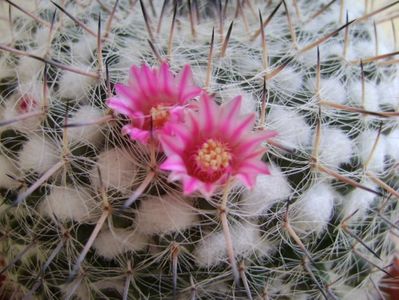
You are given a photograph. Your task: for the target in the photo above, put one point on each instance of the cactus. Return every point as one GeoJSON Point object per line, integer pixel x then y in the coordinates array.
{"type": "Point", "coordinates": [86, 212]}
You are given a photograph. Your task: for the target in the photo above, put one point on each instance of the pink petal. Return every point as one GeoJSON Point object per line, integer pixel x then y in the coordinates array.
{"type": "Point", "coordinates": [207, 189]}
{"type": "Point", "coordinates": [244, 126]}
{"type": "Point", "coordinates": [232, 108]}
{"type": "Point", "coordinates": [255, 168]}
{"type": "Point", "coordinates": [247, 179]}
{"type": "Point", "coordinates": [119, 106]}
{"type": "Point", "coordinates": [150, 79]}
{"type": "Point", "coordinates": [193, 123]}
{"type": "Point", "coordinates": [141, 83]}
{"type": "Point", "coordinates": [173, 163]}
{"type": "Point", "coordinates": [166, 79]}
{"type": "Point", "coordinates": [185, 79]}
{"type": "Point", "coordinates": [126, 92]}
{"type": "Point", "coordinates": [190, 93]}
{"type": "Point", "coordinates": [190, 185]}
{"type": "Point", "coordinates": [254, 140]}
{"type": "Point", "coordinates": [170, 144]}
{"type": "Point", "coordinates": [253, 155]}
{"type": "Point", "coordinates": [231, 123]}
{"type": "Point", "coordinates": [137, 134]}
{"type": "Point", "coordinates": [208, 110]}
{"type": "Point", "coordinates": [178, 128]}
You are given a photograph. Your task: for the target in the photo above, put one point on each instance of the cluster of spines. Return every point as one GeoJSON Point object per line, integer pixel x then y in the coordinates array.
{"type": "Point", "coordinates": [57, 250]}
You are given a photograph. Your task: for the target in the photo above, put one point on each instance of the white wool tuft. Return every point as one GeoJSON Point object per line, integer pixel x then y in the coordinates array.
{"type": "Point", "coordinates": [75, 86]}
{"type": "Point", "coordinates": [288, 81]}
{"type": "Point", "coordinates": [118, 170]}
{"type": "Point", "coordinates": [84, 49]}
{"type": "Point", "coordinates": [38, 154]}
{"type": "Point", "coordinates": [335, 147]}
{"type": "Point", "coordinates": [111, 243]}
{"type": "Point", "coordinates": [313, 211]}
{"type": "Point", "coordinates": [85, 133]}
{"type": "Point", "coordinates": [366, 142]}
{"type": "Point", "coordinates": [246, 241]}
{"type": "Point", "coordinates": [331, 89]}
{"type": "Point", "coordinates": [309, 58]}
{"type": "Point", "coordinates": [200, 74]}
{"type": "Point", "coordinates": [268, 190]}
{"type": "Point", "coordinates": [42, 36]}
{"type": "Point", "coordinates": [323, 21]}
{"type": "Point", "coordinates": [355, 8]}
{"type": "Point", "coordinates": [360, 49]}
{"type": "Point", "coordinates": [392, 146]}
{"type": "Point", "coordinates": [6, 69]}
{"type": "Point", "coordinates": [7, 168]}
{"type": "Point", "coordinates": [371, 95]}
{"type": "Point", "coordinates": [385, 43]}
{"type": "Point", "coordinates": [293, 134]}
{"type": "Point", "coordinates": [358, 199]}
{"type": "Point", "coordinates": [389, 93]}
{"type": "Point", "coordinates": [29, 68]}
{"type": "Point", "coordinates": [247, 65]}
{"type": "Point", "coordinates": [5, 32]}
{"type": "Point", "coordinates": [68, 203]}
{"type": "Point", "coordinates": [165, 214]}
{"type": "Point", "coordinates": [43, 4]}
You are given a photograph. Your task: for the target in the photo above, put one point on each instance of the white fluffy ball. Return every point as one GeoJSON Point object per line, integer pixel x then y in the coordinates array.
{"type": "Point", "coordinates": [360, 200]}
{"type": "Point", "coordinates": [313, 211]}
{"type": "Point", "coordinates": [69, 203]}
{"type": "Point", "coordinates": [335, 147]}
{"type": "Point", "coordinates": [246, 241]}
{"type": "Point", "coordinates": [83, 50]}
{"type": "Point", "coordinates": [38, 154]}
{"type": "Point", "coordinates": [393, 144]}
{"type": "Point", "coordinates": [86, 133]}
{"type": "Point", "coordinates": [7, 168]}
{"type": "Point", "coordinates": [29, 68]}
{"type": "Point", "coordinates": [118, 170]}
{"type": "Point", "coordinates": [295, 133]}
{"type": "Point", "coordinates": [268, 190]}
{"type": "Point", "coordinates": [371, 95]}
{"type": "Point", "coordinates": [165, 214]}
{"type": "Point", "coordinates": [287, 81]}
{"type": "Point", "coordinates": [111, 243]}
{"type": "Point", "coordinates": [331, 89]}
{"type": "Point", "coordinates": [75, 86]}
{"type": "Point", "coordinates": [388, 91]}
{"type": "Point", "coordinates": [366, 141]}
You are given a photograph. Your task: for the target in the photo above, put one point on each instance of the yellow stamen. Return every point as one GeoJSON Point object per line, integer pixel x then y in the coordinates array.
{"type": "Point", "coordinates": [213, 156]}
{"type": "Point", "coordinates": [160, 115]}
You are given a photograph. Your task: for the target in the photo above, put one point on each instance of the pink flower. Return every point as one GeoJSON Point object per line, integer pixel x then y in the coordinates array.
{"type": "Point", "coordinates": [214, 144]}
{"type": "Point", "coordinates": [152, 99]}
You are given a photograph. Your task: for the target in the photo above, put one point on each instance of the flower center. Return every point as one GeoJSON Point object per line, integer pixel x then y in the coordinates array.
{"type": "Point", "coordinates": [213, 156]}
{"type": "Point", "coordinates": [159, 114]}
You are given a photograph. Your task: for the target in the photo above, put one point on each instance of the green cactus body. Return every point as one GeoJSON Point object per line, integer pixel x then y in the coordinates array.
{"type": "Point", "coordinates": [322, 225]}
